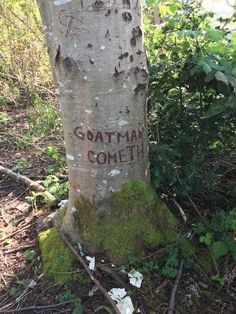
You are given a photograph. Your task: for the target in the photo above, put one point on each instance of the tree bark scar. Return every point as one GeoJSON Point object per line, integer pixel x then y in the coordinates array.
{"type": "Point", "coordinates": [127, 17]}
{"type": "Point", "coordinates": [57, 56]}
{"type": "Point", "coordinates": [137, 33]}
{"type": "Point", "coordinates": [117, 73]}
{"type": "Point", "coordinates": [126, 4]}
{"type": "Point", "coordinates": [98, 4]}
{"type": "Point", "coordinates": [108, 13]}
{"type": "Point", "coordinates": [123, 55]}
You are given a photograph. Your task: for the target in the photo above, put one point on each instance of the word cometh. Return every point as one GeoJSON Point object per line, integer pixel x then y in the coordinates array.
{"type": "Point", "coordinates": [130, 145]}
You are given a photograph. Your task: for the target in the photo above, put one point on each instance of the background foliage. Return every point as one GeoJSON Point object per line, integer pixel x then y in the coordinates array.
{"type": "Point", "coordinates": [192, 103]}
{"type": "Point", "coordinates": [24, 65]}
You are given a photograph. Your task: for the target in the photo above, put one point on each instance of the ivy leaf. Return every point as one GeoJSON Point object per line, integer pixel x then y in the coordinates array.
{"type": "Point", "coordinates": [219, 249]}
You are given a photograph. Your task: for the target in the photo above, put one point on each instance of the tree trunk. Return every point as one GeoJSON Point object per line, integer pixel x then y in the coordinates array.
{"type": "Point", "coordinates": [99, 64]}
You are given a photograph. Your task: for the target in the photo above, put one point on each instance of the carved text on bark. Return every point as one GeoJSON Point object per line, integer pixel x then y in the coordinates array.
{"type": "Point", "coordinates": [129, 142]}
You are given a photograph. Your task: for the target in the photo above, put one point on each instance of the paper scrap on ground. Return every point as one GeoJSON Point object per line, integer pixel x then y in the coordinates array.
{"type": "Point", "coordinates": [91, 262]}
{"type": "Point", "coordinates": [62, 203]}
{"type": "Point", "coordinates": [124, 303]}
{"type": "Point", "coordinates": [135, 278]}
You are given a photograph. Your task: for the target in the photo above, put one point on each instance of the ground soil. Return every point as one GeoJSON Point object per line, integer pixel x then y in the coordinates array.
{"type": "Point", "coordinates": [20, 224]}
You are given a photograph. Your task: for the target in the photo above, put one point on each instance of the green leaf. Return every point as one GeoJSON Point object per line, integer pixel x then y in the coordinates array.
{"type": "Point", "coordinates": [214, 34]}
{"type": "Point", "coordinates": [219, 249]}
{"type": "Point", "coordinates": [206, 239]}
{"type": "Point", "coordinates": [205, 66]}
{"type": "Point", "coordinates": [150, 2]}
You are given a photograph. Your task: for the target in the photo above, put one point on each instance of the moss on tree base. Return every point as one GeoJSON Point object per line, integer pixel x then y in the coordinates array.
{"type": "Point", "coordinates": [127, 223]}
{"type": "Point", "coordinates": [56, 257]}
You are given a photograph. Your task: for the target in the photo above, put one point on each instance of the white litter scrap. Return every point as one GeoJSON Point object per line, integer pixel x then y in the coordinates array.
{"type": "Point", "coordinates": [124, 303]}
{"type": "Point", "coordinates": [91, 262]}
{"type": "Point", "coordinates": [135, 278]}
{"type": "Point", "coordinates": [62, 203]}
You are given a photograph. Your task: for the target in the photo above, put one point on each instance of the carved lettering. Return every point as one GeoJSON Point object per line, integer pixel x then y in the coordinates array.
{"type": "Point", "coordinates": [112, 158]}
{"type": "Point", "coordinates": [101, 158]}
{"type": "Point", "coordinates": [99, 136]}
{"type": "Point", "coordinates": [90, 135]}
{"type": "Point", "coordinates": [78, 133]}
{"type": "Point", "coordinates": [91, 156]}
{"type": "Point", "coordinates": [119, 136]}
{"type": "Point", "coordinates": [109, 134]}
{"type": "Point", "coordinates": [123, 154]}
{"type": "Point", "coordinates": [131, 152]}
{"type": "Point", "coordinates": [133, 136]}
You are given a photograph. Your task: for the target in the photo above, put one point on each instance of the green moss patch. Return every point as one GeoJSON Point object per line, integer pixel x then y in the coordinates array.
{"type": "Point", "coordinates": [129, 222]}
{"type": "Point", "coordinates": [57, 258]}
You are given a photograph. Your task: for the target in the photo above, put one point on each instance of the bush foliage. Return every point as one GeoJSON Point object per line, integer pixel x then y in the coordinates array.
{"type": "Point", "coordinates": [192, 102]}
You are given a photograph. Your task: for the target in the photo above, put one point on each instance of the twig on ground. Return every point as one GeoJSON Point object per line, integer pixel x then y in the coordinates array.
{"type": "Point", "coordinates": [106, 269]}
{"type": "Point", "coordinates": [180, 209]}
{"type": "Point", "coordinates": [83, 263]}
{"type": "Point", "coordinates": [28, 182]}
{"type": "Point", "coordinates": [104, 308]}
{"type": "Point", "coordinates": [174, 289]}
{"type": "Point", "coordinates": [191, 201]}
{"type": "Point", "coordinates": [161, 286]}
{"type": "Point", "coordinates": [39, 307]}
{"type": "Point", "coordinates": [22, 248]}
{"type": "Point", "coordinates": [17, 231]}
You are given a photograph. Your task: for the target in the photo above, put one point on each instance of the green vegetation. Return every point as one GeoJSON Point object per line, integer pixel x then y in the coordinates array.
{"type": "Point", "coordinates": [192, 109]}
{"type": "Point", "coordinates": [57, 258]}
{"type": "Point", "coordinates": [24, 66]}
{"type": "Point", "coordinates": [134, 213]}
{"type": "Point", "coordinates": [192, 101]}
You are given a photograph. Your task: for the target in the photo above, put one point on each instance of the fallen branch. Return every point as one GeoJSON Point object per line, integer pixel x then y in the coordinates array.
{"type": "Point", "coordinates": [174, 289]}
{"type": "Point", "coordinates": [162, 286]}
{"type": "Point", "coordinates": [28, 182]}
{"type": "Point", "coordinates": [106, 269]}
{"type": "Point", "coordinates": [83, 263]}
{"type": "Point", "coordinates": [38, 307]}
{"type": "Point", "coordinates": [17, 231]}
{"type": "Point", "coordinates": [19, 249]}
{"type": "Point", "coordinates": [183, 215]}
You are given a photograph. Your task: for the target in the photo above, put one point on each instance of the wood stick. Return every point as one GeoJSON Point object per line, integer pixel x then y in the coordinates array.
{"type": "Point", "coordinates": [17, 231]}
{"type": "Point", "coordinates": [28, 182]}
{"type": "Point", "coordinates": [38, 307]}
{"type": "Point", "coordinates": [174, 289]}
{"type": "Point", "coordinates": [83, 263]}
{"type": "Point", "coordinates": [22, 248]}
{"type": "Point", "coordinates": [106, 269]}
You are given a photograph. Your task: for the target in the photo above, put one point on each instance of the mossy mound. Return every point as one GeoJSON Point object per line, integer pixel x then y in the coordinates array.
{"type": "Point", "coordinates": [57, 258]}
{"type": "Point", "coordinates": [129, 222]}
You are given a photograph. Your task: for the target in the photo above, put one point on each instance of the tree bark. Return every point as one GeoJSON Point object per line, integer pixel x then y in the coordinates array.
{"type": "Point", "coordinates": [98, 59]}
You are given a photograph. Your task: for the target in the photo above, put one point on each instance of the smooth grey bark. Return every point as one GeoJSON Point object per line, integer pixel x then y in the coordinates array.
{"type": "Point", "coordinates": [99, 63]}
